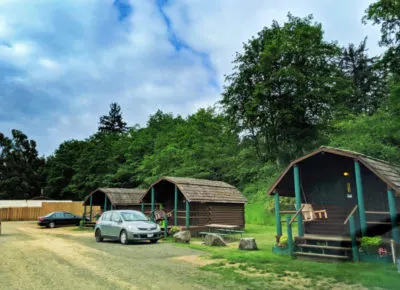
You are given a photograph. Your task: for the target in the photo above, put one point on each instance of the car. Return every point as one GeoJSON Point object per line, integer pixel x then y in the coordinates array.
{"type": "Point", "coordinates": [126, 226]}
{"type": "Point", "coordinates": [59, 218]}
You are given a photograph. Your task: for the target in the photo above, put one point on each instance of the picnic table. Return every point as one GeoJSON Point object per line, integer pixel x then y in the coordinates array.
{"type": "Point", "coordinates": [223, 230]}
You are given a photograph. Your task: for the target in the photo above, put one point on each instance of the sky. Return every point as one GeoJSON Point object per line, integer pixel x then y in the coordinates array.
{"type": "Point", "coordinates": [63, 62]}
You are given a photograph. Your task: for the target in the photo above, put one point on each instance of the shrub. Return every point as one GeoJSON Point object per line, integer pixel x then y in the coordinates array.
{"type": "Point", "coordinates": [370, 243]}
{"type": "Point", "coordinates": [283, 241]}
{"type": "Point", "coordinates": [82, 224]}
{"type": "Point", "coordinates": [174, 230]}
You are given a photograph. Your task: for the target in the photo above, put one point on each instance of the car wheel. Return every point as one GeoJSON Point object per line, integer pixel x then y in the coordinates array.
{"type": "Point", "coordinates": [52, 225]}
{"type": "Point", "coordinates": [153, 241]}
{"type": "Point", "coordinates": [123, 238]}
{"type": "Point", "coordinates": [98, 236]}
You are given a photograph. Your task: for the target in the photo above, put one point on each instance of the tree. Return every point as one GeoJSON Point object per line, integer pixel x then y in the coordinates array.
{"type": "Point", "coordinates": [20, 167]}
{"type": "Point", "coordinates": [386, 13]}
{"type": "Point", "coordinates": [368, 79]}
{"type": "Point", "coordinates": [113, 123]}
{"type": "Point", "coordinates": [284, 87]}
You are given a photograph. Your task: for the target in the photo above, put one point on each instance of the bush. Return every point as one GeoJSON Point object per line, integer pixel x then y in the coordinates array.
{"type": "Point", "coordinates": [82, 224]}
{"type": "Point", "coordinates": [283, 241]}
{"type": "Point", "coordinates": [174, 230]}
{"type": "Point", "coordinates": [369, 244]}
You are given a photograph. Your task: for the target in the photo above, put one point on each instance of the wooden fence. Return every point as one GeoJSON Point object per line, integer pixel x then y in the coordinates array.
{"type": "Point", "coordinates": [32, 213]}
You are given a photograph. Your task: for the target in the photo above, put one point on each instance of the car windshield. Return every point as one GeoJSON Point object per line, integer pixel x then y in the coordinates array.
{"type": "Point", "coordinates": [133, 216]}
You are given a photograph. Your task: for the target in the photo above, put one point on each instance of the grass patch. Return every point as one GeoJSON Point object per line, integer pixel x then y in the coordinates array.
{"type": "Point", "coordinates": [286, 269]}
{"type": "Point", "coordinates": [82, 229]}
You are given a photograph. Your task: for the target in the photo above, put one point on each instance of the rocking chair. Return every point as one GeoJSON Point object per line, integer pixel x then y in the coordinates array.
{"type": "Point", "coordinates": [309, 214]}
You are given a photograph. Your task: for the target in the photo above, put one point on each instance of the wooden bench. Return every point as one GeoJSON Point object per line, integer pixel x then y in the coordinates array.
{"type": "Point", "coordinates": [229, 231]}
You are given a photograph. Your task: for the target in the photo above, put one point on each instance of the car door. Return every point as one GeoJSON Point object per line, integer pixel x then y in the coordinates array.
{"type": "Point", "coordinates": [105, 223]}
{"type": "Point", "coordinates": [69, 219]}
{"type": "Point", "coordinates": [115, 224]}
{"type": "Point", "coordinates": [58, 218]}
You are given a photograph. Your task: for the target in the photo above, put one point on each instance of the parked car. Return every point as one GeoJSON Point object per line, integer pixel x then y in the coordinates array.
{"type": "Point", "coordinates": [59, 218]}
{"type": "Point", "coordinates": [126, 226]}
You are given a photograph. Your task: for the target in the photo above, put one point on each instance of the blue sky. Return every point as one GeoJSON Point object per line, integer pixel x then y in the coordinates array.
{"type": "Point", "coordinates": [63, 62]}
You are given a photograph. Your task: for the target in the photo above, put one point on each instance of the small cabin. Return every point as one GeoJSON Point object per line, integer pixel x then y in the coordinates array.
{"type": "Point", "coordinates": [340, 196]}
{"type": "Point", "coordinates": [194, 203]}
{"type": "Point", "coordinates": [113, 198]}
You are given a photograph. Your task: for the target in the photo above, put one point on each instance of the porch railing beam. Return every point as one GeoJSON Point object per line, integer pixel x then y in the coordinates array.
{"type": "Point", "coordinates": [298, 199]}
{"type": "Point", "coordinates": [393, 215]}
{"type": "Point", "coordinates": [277, 216]}
{"type": "Point", "coordinates": [360, 198]}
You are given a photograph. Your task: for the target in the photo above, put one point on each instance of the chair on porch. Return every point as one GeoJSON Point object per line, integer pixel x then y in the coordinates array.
{"type": "Point", "coordinates": [309, 214]}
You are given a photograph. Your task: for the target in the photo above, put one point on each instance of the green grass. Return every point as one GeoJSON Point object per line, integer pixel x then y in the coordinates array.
{"type": "Point", "coordinates": [316, 274]}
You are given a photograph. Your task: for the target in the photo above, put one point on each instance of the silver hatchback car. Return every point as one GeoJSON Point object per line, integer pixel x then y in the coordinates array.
{"type": "Point", "coordinates": [125, 226]}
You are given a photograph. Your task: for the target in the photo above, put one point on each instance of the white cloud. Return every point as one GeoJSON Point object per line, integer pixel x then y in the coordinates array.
{"type": "Point", "coordinates": [66, 61]}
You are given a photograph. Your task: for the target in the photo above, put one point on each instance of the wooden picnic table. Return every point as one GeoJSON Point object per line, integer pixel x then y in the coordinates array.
{"type": "Point", "coordinates": [221, 226]}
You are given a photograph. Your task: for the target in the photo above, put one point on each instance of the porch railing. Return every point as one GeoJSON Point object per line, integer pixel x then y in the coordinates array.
{"type": "Point", "coordinates": [350, 220]}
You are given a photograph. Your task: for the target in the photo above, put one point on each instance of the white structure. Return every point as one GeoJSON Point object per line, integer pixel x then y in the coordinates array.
{"type": "Point", "coordinates": [26, 203]}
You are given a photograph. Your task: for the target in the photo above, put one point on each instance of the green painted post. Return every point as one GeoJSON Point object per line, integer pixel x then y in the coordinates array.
{"type": "Point", "coordinates": [277, 216]}
{"type": "Point", "coordinates": [111, 206]}
{"type": "Point", "coordinates": [393, 215]}
{"type": "Point", "coordinates": [142, 207]}
{"type": "Point", "coordinates": [354, 247]}
{"type": "Point", "coordinates": [176, 206]}
{"type": "Point", "coordinates": [84, 214]}
{"type": "Point", "coordinates": [360, 198]}
{"type": "Point", "coordinates": [152, 203]}
{"type": "Point", "coordinates": [289, 234]}
{"type": "Point", "coordinates": [165, 226]}
{"type": "Point", "coordinates": [105, 202]}
{"type": "Point", "coordinates": [91, 202]}
{"type": "Point", "coordinates": [187, 214]}
{"type": "Point", "coordinates": [298, 199]}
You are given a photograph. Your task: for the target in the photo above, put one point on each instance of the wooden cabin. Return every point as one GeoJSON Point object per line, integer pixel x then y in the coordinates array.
{"type": "Point", "coordinates": [340, 196]}
{"type": "Point", "coordinates": [113, 198]}
{"type": "Point", "coordinates": [194, 203]}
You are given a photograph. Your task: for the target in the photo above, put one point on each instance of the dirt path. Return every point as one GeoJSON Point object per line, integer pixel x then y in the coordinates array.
{"type": "Point", "coordinates": [35, 258]}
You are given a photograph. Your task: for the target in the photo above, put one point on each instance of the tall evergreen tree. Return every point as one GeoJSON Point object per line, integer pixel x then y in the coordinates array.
{"type": "Point", "coordinates": [368, 78]}
{"type": "Point", "coordinates": [113, 123]}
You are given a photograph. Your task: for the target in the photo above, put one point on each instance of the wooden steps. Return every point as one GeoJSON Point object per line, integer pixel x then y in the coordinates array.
{"type": "Point", "coordinates": [321, 257]}
{"type": "Point", "coordinates": [323, 248]}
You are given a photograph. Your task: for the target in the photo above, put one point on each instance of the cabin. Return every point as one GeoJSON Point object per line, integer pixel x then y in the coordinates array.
{"type": "Point", "coordinates": [340, 197]}
{"type": "Point", "coordinates": [195, 203]}
{"type": "Point", "coordinates": [113, 198]}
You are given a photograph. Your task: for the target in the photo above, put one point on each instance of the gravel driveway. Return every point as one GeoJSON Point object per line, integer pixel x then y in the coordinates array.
{"type": "Point", "coordinates": [36, 258]}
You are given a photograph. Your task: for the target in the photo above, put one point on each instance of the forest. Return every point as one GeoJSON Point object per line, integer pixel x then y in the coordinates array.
{"type": "Point", "coordinates": [290, 91]}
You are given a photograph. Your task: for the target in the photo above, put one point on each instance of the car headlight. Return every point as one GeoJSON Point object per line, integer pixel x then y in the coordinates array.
{"type": "Point", "coordinates": [132, 228]}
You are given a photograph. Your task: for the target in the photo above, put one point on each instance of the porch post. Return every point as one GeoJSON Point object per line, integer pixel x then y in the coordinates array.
{"type": "Point", "coordinates": [187, 214]}
{"type": "Point", "coordinates": [176, 206]}
{"type": "Point", "coordinates": [277, 216]}
{"type": "Point", "coordinates": [290, 236]}
{"type": "Point", "coordinates": [152, 203]}
{"type": "Point", "coordinates": [84, 214]}
{"type": "Point", "coordinates": [353, 239]}
{"type": "Point", "coordinates": [360, 198]}
{"type": "Point", "coordinates": [111, 206]}
{"type": "Point", "coordinates": [393, 215]}
{"type": "Point", "coordinates": [142, 207]}
{"type": "Point", "coordinates": [298, 199]}
{"type": "Point", "coordinates": [105, 202]}
{"type": "Point", "coordinates": [91, 202]}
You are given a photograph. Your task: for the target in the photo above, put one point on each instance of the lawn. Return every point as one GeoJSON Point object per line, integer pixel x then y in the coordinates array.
{"type": "Point", "coordinates": [258, 268]}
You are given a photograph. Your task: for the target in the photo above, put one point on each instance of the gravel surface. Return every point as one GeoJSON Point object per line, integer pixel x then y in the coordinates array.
{"type": "Point", "coordinates": [37, 258]}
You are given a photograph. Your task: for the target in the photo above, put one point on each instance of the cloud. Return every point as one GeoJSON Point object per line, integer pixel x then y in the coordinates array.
{"type": "Point", "coordinates": [63, 62]}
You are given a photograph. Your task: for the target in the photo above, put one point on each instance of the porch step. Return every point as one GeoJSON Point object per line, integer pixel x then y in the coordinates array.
{"type": "Point", "coordinates": [320, 257]}
{"type": "Point", "coordinates": [324, 247]}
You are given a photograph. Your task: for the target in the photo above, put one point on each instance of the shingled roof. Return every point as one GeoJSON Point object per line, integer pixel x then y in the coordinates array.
{"type": "Point", "coordinates": [388, 173]}
{"type": "Point", "coordinates": [121, 196]}
{"type": "Point", "coordinates": [203, 190]}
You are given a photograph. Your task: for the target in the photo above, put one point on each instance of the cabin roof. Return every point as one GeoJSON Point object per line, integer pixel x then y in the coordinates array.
{"type": "Point", "coordinates": [388, 173]}
{"type": "Point", "coordinates": [121, 196]}
{"type": "Point", "coordinates": [203, 190]}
